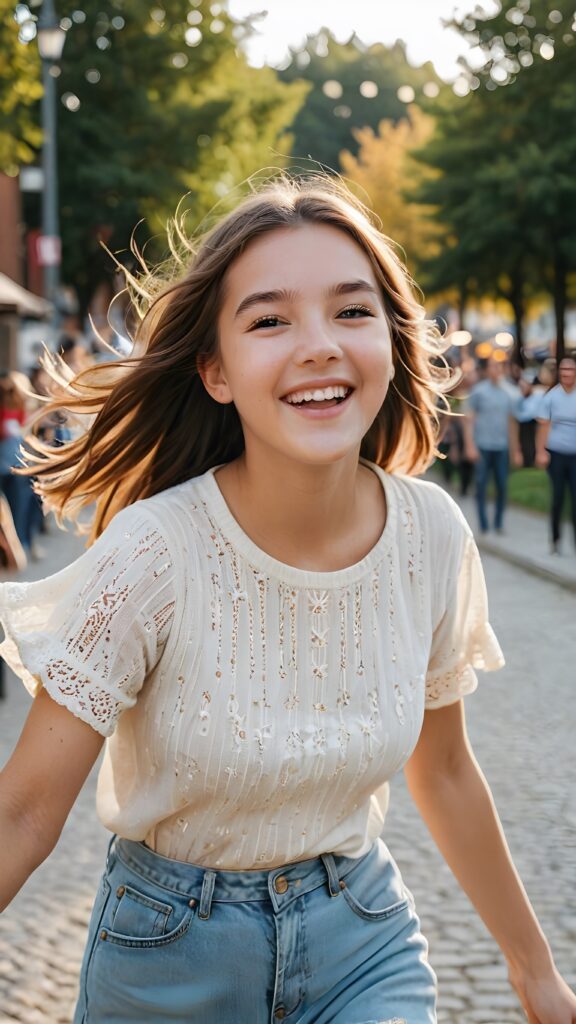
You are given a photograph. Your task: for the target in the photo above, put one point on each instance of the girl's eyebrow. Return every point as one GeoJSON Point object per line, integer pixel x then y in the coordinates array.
{"type": "Point", "coordinates": [281, 295]}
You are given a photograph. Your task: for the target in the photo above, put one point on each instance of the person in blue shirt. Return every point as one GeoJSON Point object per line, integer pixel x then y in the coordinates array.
{"type": "Point", "coordinates": [556, 443]}
{"type": "Point", "coordinates": [491, 436]}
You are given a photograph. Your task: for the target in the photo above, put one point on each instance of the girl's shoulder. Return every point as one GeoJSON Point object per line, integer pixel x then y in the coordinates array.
{"type": "Point", "coordinates": [427, 497]}
{"type": "Point", "coordinates": [438, 518]}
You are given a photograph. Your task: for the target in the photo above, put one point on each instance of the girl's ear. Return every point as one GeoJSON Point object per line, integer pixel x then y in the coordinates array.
{"type": "Point", "coordinates": [212, 376]}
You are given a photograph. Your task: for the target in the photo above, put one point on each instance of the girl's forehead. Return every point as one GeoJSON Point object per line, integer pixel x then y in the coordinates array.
{"type": "Point", "coordinates": [305, 254]}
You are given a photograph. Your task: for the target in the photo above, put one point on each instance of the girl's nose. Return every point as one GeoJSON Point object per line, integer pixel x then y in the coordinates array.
{"type": "Point", "coordinates": [317, 344]}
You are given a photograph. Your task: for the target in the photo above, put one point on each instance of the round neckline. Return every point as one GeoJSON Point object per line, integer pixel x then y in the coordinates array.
{"type": "Point", "coordinates": [263, 562]}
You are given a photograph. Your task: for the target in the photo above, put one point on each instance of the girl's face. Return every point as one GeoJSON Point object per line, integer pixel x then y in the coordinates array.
{"type": "Point", "coordinates": [304, 345]}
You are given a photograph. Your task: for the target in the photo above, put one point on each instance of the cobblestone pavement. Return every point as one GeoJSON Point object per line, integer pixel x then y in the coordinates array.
{"type": "Point", "coordinates": [521, 722]}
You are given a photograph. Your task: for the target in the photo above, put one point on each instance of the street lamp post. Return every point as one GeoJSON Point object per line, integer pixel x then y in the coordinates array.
{"type": "Point", "coordinates": [50, 45]}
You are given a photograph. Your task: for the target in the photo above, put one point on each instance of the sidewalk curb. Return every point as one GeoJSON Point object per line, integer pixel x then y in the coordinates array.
{"type": "Point", "coordinates": [528, 564]}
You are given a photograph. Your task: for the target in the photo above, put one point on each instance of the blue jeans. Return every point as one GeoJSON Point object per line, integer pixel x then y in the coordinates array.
{"type": "Point", "coordinates": [491, 463]}
{"type": "Point", "coordinates": [20, 496]}
{"type": "Point", "coordinates": [326, 941]}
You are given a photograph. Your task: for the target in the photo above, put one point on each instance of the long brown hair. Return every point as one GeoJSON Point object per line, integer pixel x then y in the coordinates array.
{"type": "Point", "coordinates": [151, 423]}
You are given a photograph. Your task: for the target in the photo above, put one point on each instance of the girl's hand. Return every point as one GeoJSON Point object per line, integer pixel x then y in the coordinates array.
{"type": "Point", "coordinates": [546, 999]}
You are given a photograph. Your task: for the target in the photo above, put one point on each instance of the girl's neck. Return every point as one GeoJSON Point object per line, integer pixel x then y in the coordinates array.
{"type": "Point", "coordinates": [321, 518]}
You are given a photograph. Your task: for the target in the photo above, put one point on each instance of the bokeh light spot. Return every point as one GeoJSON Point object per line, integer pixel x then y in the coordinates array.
{"type": "Point", "coordinates": [431, 90]}
{"type": "Point", "coordinates": [332, 89]}
{"type": "Point", "coordinates": [547, 50]}
{"type": "Point", "coordinates": [460, 338]}
{"type": "Point", "coordinates": [93, 76]}
{"type": "Point", "coordinates": [342, 111]}
{"type": "Point", "coordinates": [498, 74]}
{"type": "Point", "coordinates": [461, 86]}
{"type": "Point", "coordinates": [27, 32]}
{"type": "Point", "coordinates": [71, 101]}
{"type": "Point", "coordinates": [504, 339]}
{"type": "Point", "coordinates": [406, 94]}
{"type": "Point", "coordinates": [484, 350]}
{"type": "Point", "coordinates": [193, 36]}
{"type": "Point", "coordinates": [369, 90]}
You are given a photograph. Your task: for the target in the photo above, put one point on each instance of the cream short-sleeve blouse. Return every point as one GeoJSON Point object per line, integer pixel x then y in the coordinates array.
{"type": "Point", "coordinates": [254, 711]}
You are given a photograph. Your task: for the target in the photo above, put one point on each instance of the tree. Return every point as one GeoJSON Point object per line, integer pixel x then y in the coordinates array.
{"type": "Point", "coordinates": [385, 169]}
{"type": "Point", "coordinates": [481, 197]}
{"type": "Point", "coordinates": [20, 90]}
{"type": "Point", "coordinates": [150, 107]}
{"type": "Point", "coordinates": [527, 77]}
{"type": "Point", "coordinates": [351, 86]}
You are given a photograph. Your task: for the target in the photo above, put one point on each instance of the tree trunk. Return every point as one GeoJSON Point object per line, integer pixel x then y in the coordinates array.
{"type": "Point", "coordinates": [559, 296]}
{"type": "Point", "coordinates": [516, 299]}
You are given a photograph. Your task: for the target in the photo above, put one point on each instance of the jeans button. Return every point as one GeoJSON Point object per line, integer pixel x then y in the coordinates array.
{"type": "Point", "coordinates": [280, 1013]}
{"type": "Point", "coordinates": [281, 886]}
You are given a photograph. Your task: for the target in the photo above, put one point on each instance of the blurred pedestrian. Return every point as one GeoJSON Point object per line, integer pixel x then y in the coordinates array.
{"type": "Point", "coordinates": [556, 445]}
{"type": "Point", "coordinates": [16, 489]}
{"type": "Point", "coordinates": [270, 604]}
{"type": "Point", "coordinates": [491, 440]}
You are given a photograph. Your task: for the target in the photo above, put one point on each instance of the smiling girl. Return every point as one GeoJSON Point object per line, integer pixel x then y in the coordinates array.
{"type": "Point", "coordinates": [273, 619]}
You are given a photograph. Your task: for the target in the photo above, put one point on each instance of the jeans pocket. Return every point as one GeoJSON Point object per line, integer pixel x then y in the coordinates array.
{"type": "Point", "coordinates": [374, 889]}
{"type": "Point", "coordinates": [139, 915]}
{"type": "Point", "coordinates": [374, 913]}
{"type": "Point", "coordinates": [136, 918]}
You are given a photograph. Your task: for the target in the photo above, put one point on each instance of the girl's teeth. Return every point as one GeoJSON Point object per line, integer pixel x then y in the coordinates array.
{"type": "Point", "coordinates": [319, 395]}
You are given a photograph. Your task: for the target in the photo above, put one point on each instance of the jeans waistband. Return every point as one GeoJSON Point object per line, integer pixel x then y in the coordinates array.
{"type": "Point", "coordinates": [281, 885]}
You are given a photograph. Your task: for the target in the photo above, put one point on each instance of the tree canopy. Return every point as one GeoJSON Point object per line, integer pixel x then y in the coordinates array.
{"type": "Point", "coordinates": [504, 157]}
{"type": "Point", "coordinates": [385, 170]}
{"type": "Point", "coordinates": [156, 101]}
{"type": "Point", "coordinates": [352, 86]}
{"type": "Point", "coordinates": [20, 90]}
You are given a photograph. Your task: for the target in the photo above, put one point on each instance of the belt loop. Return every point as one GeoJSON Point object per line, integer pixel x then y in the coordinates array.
{"type": "Point", "coordinates": [334, 887]}
{"type": "Point", "coordinates": [109, 851]}
{"type": "Point", "coordinates": [208, 883]}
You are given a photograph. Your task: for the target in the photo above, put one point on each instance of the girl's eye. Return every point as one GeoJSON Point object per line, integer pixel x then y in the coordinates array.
{"type": "Point", "coordinates": [355, 311]}
{"type": "Point", "coordinates": [265, 321]}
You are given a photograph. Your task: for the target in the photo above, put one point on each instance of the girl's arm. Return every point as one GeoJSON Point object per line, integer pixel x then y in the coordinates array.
{"type": "Point", "coordinates": [455, 801]}
{"type": "Point", "coordinates": [38, 787]}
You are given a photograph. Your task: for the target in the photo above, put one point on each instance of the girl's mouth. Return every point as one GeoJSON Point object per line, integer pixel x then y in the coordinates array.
{"type": "Point", "coordinates": [319, 399]}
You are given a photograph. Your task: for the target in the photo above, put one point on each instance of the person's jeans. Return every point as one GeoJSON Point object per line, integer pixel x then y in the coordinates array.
{"type": "Point", "coordinates": [495, 464]}
{"type": "Point", "coordinates": [562, 473]}
{"type": "Point", "coordinates": [332, 940]}
{"type": "Point", "coordinates": [19, 494]}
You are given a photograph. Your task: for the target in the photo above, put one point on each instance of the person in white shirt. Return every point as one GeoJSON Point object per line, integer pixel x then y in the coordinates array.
{"type": "Point", "coordinates": [273, 619]}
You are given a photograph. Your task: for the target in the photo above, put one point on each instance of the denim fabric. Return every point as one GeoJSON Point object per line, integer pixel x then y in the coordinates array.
{"type": "Point", "coordinates": [20, 496]}
{"type": "Point", "coordinates": [491, 463]}
{"type": "Point", "coordinates": [325, 941]}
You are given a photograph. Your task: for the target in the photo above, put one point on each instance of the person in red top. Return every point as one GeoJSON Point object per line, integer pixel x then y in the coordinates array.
{"type": "Point", "coordinates": [16, 489]}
